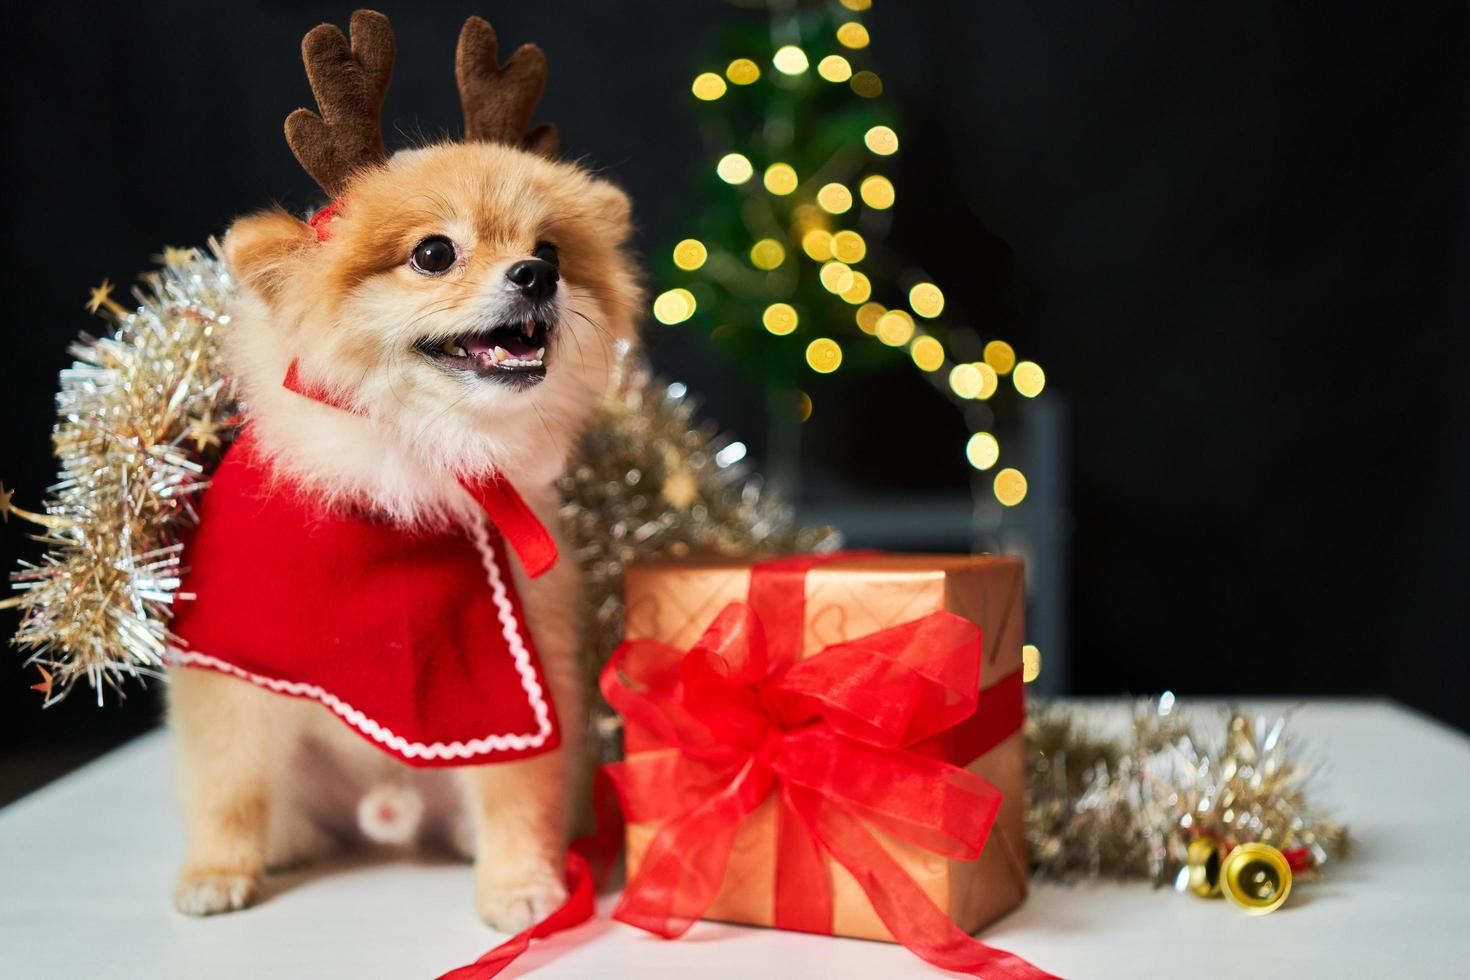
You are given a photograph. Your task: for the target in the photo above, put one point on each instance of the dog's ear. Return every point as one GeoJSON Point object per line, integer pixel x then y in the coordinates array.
{"type": "Point", "coordinates": [259, 246]}
{"type": "Point", "coordinates": [612, 205]}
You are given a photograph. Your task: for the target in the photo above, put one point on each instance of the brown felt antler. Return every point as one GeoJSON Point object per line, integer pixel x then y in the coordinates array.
{"type": "Point", "coordinates": [349, 85]}
{"type": "Point", "coordinates": [499, 99]}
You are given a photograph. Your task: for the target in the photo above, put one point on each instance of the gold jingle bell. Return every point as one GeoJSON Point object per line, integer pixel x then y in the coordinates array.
{"type": "Point", "coordinates": [1202, 867]}
{"type": "Point", "coordinates": [1256, 877]}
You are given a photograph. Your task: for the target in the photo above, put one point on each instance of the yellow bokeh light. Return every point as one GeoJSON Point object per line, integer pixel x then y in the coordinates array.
{"type": "Point", "coordinates": [780, 319]}
{"type": "Point", "coordinates": [817, 244]}
{"type": "Point", "coordinates": [1030, 663]}
{"type": "Point", "coordinates": [849, 246]}
{"type": "Point", "coordinates": [867, 316]}
{"type": "Point", "coordinates": [982, 450]}
{"type": "Point", "coordinates": [834, 68]}
{"type": "Point", "coordinates": [861, 289]}
{"type": "Point", "coordinates": [836, 277]}
{"type": "Point", "coordinates": [834, 198]}
{"type": "Point", "coordinates": [881, 140]}
{"type": "Point", "coordinates": [708, 86]}
{"type": "Point", "coordinates": [895, 328]}
{"type": "Point", "coordinates": [767, 254]}
{"type": "Point", "coordinates": [734, 168]}
{"type": "Point", "coordinates": [742, 71]}
{"type": "Point", "coordinates": [852, 35]}
{"type": "Point", "coordinates": [690, 254]}
{"type": "Point", "coordinates": [927, 353]}
{"type": "Point", "coordinates": [1000, 355]}
{"type": "Point", "coordinates": [674, 306]}
{"type": "Point", "coordinates": [781, 178]}
{"type": "Point", "coordinates": [867, 84]}
{"type": "Point", "coordinates": [857, 4]}
{"type": "Point", "coordinates": [790, 60]}
{"type": "Point", "coordinates": [1010, 487]}
{"type": "Point", "coordinates": [1028, 378]}
{"type": "Point", "coordinates": [823, 355]}
{"type": "Point", "coordinates": [877, 192]}
{"type": "Point", "coordinates": [803, 406]}
{"type": "Point", "coordinates": [965, 380]}
{"type": "Point", "coordinates": [989, 380]}
{"type": "Point", "coordinates": [926, 300]}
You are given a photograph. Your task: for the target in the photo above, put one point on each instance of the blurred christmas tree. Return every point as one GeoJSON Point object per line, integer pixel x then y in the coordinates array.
{"type": "Point", "coordinates": [785, 267]}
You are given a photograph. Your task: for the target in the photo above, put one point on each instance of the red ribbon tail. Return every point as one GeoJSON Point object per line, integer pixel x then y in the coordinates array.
{"type": "Point", "coordinates": [578, 908]}
{"type": "Point", "coordinates": [904, 907]}
{"type": "Point", "coordinates": [509, 513]}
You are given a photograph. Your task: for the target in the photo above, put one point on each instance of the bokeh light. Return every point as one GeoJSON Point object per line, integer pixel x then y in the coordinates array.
{"type": "Point", "coordinates": [817, 244]}
{"type": "Point", "coordinates": [982, 450]}
{"type": "Point", "coordinates": [926, 300]}
{"type": "Point", "coordinates": [852, 35]}
{"type": "Point", "coordinates": [767, 254]}
{"type": "Point", "coordinates": [674, 306]}
{"type": "Point", "coordinates": [836, 277]}
{"type": "Point", "coordinates": [823, 355]}
{"type": "Point", "coordinates": [803, 406]}
{"type": "Point", "coordinates": [834, 198]}
{"type": "Point", "coordinates": [1001, 356]}
{"type": "Point", "coordinates": [965, 380]}
{"type": "Point", "coordinates": [857, 4]}
{"type": "Point", "coordinates": [928, 354]}
{"type": "Point", "coordinates": [877, 192]}
{"type": "Point", "coordinates": [734, 168]}
{"type": "Point", "coordinates": [989, 380]}
{"type": "Point", "coordinates": [790, 60]}
{"type": "Point", "coordinates": [708, 86]}
{"type": "Point", "coordinates": [849, 247]}
{"type": "Point", "coordinates": [861, 291]}
{"type": "Point", "coordinates": [690, 254]}
{"type": "Point", "coordinates": [867, 84]}
{"type": "Point", "coordinates": [895, 328]}
{"type": "Point", "coordinates": [1010, 487]}
{"type": "Point", "coordinates": [1028, 378]}
{"type": "Point", "coordinates": [780, 319]}
{"type": "Point", "coordinates": [834, 68]}
{"type": "Point", "coordinates": [867, 316]}
{"type": "Point", "coordinates": [742, 71]}
{"type": "Point", "coordinates": [781, 178]}
{"type": "Point", "coordinates": [881, 140]}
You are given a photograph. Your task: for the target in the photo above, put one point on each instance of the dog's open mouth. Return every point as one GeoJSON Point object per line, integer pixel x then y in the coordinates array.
{"type": "Point", "coordinates": [510, 350]}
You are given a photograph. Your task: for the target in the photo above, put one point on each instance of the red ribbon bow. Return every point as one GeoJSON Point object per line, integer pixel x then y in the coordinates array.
{"type": "Point", "coordinates": [833, 738]}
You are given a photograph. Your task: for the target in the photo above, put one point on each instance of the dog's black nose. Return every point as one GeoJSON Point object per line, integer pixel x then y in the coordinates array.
{"type": "Point", "coordinates": [535, 278]}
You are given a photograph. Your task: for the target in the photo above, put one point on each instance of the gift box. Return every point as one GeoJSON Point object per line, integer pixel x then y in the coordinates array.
{"type": "Point", "coordinates": [867, 749]}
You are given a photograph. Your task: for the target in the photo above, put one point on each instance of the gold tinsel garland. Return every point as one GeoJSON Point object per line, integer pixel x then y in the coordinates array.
{"type": "Point", "coordinates": [1128, 804]}
{"type": "Point", "coordinates": [143, 414]}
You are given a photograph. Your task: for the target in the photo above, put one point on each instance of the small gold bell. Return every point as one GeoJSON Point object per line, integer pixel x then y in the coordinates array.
{"type": "Point", "coordinates": [1256, 877]}
{"type": "Point", "coordinates": [1202, 867]}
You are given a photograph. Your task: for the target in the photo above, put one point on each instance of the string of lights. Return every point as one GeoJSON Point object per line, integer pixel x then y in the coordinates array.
{"type": "Point", "coordinates": [793, 251]}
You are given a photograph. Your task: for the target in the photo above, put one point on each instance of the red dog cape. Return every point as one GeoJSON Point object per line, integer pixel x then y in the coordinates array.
{"type": "Point", "coordinates": [415, 640]}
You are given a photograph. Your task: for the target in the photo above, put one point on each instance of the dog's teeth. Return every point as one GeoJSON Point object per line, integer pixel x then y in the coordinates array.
{"type": "Point", "coordinates": [500, 354]}
{"type": "Point", "coordinates": [458, 351]}
{"type": "Point", "coordinates": [540, 353]}
{"type": "Point", "coordinates": [528, 328]}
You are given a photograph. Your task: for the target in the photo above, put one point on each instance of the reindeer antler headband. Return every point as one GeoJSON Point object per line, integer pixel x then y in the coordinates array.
{"type": "Point", "coordinates": [350, 80]}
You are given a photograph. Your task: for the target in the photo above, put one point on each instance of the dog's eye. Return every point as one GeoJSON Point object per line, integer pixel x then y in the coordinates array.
{"type": "Point", "coordinates": [545, 251]}
{"type": "Point", "coordinates": [432, 255]}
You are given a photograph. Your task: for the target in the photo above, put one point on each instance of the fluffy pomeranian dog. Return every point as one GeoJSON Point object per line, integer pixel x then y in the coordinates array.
{"type": "Point", "coordinates": [461, 304]}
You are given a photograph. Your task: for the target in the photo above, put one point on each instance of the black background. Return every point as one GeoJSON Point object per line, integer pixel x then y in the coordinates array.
{"type": "Point", "coordinates": [1235, 234]}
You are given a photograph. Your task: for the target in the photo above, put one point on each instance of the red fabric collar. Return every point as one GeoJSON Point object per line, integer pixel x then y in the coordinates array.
{"type": "Point", "coordinates": [500, 501]}
{"type": "Point", "coordinates": [322, 218]}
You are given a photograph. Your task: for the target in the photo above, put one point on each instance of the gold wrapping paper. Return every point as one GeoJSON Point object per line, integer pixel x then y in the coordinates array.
{"type": "Point", "coordinates": [674, 602]}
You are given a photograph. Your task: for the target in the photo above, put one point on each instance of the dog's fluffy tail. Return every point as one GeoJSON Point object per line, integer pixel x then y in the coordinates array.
{"type": "Point", "coordinates": [390, 813]}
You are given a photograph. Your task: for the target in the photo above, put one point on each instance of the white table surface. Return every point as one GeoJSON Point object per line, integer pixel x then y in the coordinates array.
{"type": "Point", "coordinates": [87, 865]}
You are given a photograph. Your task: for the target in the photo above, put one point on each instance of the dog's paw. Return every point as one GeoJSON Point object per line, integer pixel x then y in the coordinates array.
{"type": "Point", "coordinates": [212, 892]}
{"type": "Point", "coordinates": [512, 905]}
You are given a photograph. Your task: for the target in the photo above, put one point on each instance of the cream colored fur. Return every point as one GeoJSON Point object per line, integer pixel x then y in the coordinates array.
{"type": "Point", "coordinates": [271, 781]}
